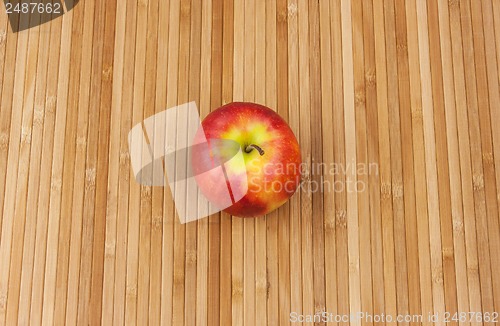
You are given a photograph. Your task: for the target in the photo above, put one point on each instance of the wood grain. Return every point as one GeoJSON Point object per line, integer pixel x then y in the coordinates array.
{"type": "Point", "coordinates": [394, 104]}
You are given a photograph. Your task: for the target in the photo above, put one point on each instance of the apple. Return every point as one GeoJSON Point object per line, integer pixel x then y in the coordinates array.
{"type": "Point", "coordinates": [268, 173]}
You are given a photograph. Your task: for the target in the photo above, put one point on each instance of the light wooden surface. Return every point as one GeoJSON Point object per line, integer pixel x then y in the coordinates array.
{"type": "Point", "coordinates": [411, 86]}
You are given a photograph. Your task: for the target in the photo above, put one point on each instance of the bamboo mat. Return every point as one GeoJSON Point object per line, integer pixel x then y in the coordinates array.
{"type": "Point", "coordinates": [409, 86]}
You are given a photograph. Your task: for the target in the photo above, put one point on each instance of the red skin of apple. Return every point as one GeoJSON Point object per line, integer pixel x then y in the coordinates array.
{"type": "Point", "coordinates": [272, 174]}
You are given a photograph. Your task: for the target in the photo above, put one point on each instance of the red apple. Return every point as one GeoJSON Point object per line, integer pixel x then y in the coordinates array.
{"type": "Point", "coordinates": [268, 173]}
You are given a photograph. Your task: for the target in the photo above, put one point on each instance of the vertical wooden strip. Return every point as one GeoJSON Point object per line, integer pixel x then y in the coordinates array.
{"type": "Point", "coordinates": [386, 208]}
{"type": "Point", "coordinates": [8, 48]}
{"type": "Point", "coordinates": [85, 299]}
{"type": "Point", "coordinates": [419, 162]}
{"type": "Point", "coordinates": [9, 45]}
{"type": "Point", "coordinates": [249, 224]}
{"type": "Point", "coordinates": [407, 151]}
{"type": "Point", "coordinates": [396, 160]}
{"type": "Point", "coordinates": [80, 172]}
{"type": "Point", "coordinates": [26, 272]}
{"type": "Point", "coordinates": [328, 188]}
{"type": "Point", "coordinates": [316, 157]}
{"type": "Point", "coordinates": [57, 173]}
{"type": "Point", "coordinates": [443, 171]}
{"type": "Point", "coordinates": [449, 276]}
{"type": "Point", "coordinates": [140, 196]}
{"type": "Point", "coordinates": [491, 161]}
{"type": "Point", "coordinates": [465, 161]}
{"type": "Point", "coordinates": [191, 228]}
{"type": "Point", "coordinates": [495, 112]}
{"type": "Point", "coordinates": [496, 18]}
{"type": "Point", "coordinates": [294, 121]}
{"type": "Point", "coordinates": [180, 253]}
{"type": "Point", "coordinates": [45, 181]}
{"type": "Point", "coordinates": [148, 217]}
{"type": "Point", "coordinates": [143, 253]}
{"type": "Point", "coordinates": [226, 282]}
{"type": "Point", "coordinates": [214, 221]}
{"type": "Point", "coordinates": [114, 169]}
{"type": "Point", "coordinates": [148, 12]}
{"type": "Point", "coordinates": [100, 247]}
{"type": "Point", "coordinates": [360, 188]}
{"type": "Point", "coordinates": [121, 292]}
{"type": "Point", "coordinates": [237, 250]}
{"type": "Point", "coordinates": [68, 181]}
{"type": "Point", "coordinates": [283, 211]}
{"type": "Point", "coordinates": [160, 31]}
{"type": "Point", "coordinates": [350, 152]}
{"type": "Point", "coordinates": [260, 223]}
{"type": "Point", "coordinates": [239, 48]}
{"type": "Point", "coordinates": [490, 222]}
{"type": "Point", "coordinates": [237, 270]}
{"type": "Point", "coordinates": [339, 186]}
{"type": "Point", "coordinates": [272, 218]}
{"type": "Point", "coordinates": [162, 26]}
{"type": "Point", "coordinates": [453, 158]}
{"type": "Point", "coordinates": [372, 168]}
{"type": "Point", "coordinates": [484, 269]}
{"type": "Point", "coordinates": [430, 162]}
{"type": "Point", "coordinates": [155, 261]}
{"type": "Point", "coordinates": [491, 17]}
{"type": "Point", "coordinates": [305, 146]}
{"type": "Point", "coordinates": [204, 98]}
{"type": "Point", "coordinates": [4, 28]}
{"type": "Point", "coordinates": [169, 214]}
{"type": "Point", "coordinates": [226, 221]}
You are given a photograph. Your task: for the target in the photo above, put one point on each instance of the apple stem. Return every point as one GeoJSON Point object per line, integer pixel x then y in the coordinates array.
{"type": "Point", "coordinates": [252, 146]}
